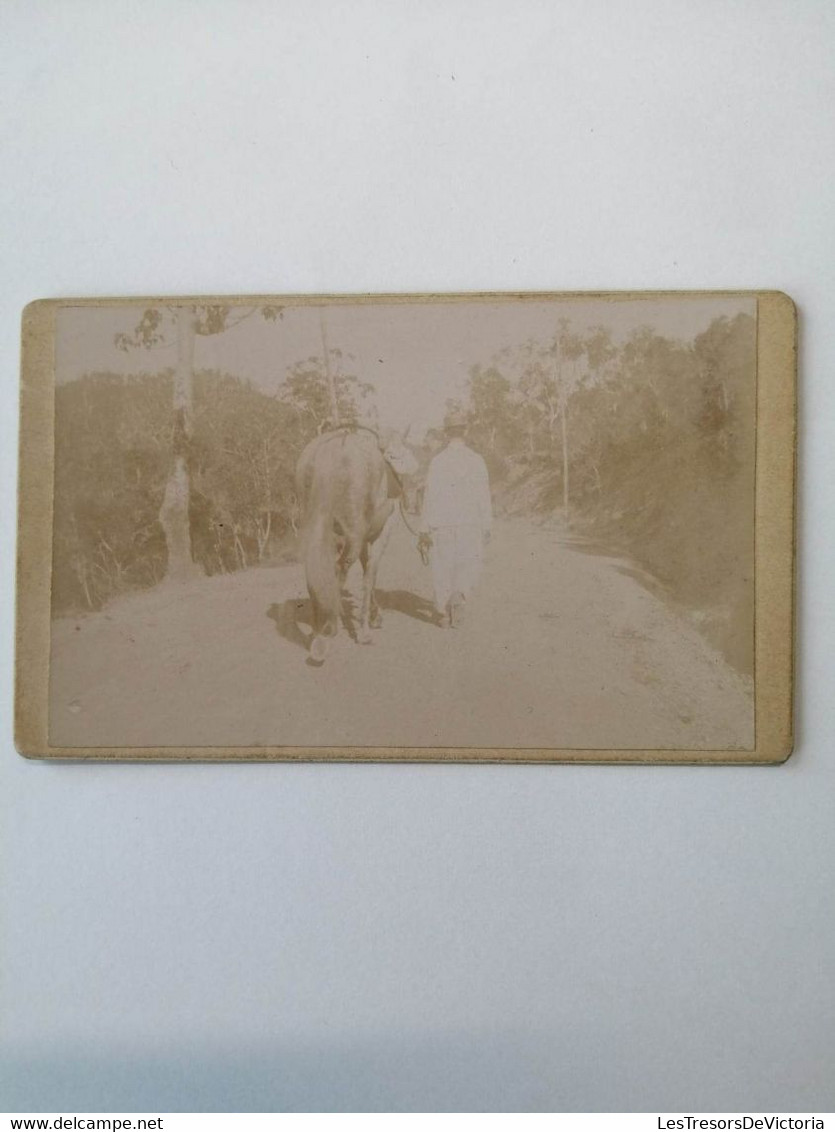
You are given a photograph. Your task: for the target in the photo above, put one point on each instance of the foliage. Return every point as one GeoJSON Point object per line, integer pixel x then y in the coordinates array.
{"type": "Point", "coordinates": [307, 390]}
{"type": "Point", "coordinates": [244, 450]}
{"type": "Point", "coordinates": [114, 450]}
{"type": "Point", "coordinates": [112, 458]}
{"type": "Point", "coordinates": [656, 440]}
{"type": "Point", "coordinates": [209, 318]}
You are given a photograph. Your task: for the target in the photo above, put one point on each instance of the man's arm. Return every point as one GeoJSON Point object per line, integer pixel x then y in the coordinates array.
{"type": "Point", "coordinates": [430, 492]}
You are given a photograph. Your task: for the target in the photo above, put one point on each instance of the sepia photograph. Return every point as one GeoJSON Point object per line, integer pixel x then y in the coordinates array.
{"type": "Point", "coordinates": [461, 522]}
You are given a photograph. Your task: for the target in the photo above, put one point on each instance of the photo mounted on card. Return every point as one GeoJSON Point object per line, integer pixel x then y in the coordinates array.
{"type": "Point", "coordinates": [499, 527]}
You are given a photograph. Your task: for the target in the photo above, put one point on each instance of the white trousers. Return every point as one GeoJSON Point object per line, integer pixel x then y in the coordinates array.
{"type": "Point", "coordinates": [456, 561]}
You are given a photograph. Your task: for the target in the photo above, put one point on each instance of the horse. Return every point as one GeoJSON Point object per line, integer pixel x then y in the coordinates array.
{"type": "Point", "coordinates": [348, 481]}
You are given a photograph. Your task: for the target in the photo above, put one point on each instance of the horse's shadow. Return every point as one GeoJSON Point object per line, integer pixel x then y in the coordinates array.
{"type": "Point", "coordinates": [289, 617]}
{"type": "Point", "coordinates": [294, 621]}
{"type": "Point", "coordinates": [411, 605]}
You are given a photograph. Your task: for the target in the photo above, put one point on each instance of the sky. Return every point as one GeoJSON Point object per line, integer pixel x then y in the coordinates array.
{"type": "Point", "coordinates": [416, 354]}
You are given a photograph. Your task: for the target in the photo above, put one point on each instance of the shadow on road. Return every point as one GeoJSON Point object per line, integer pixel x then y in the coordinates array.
{"type": "Point", "coordinates": [289, 616]}
{"type": "Point", "coordinates": [294, 622]}
{"type": "Point", "coordinates": [402, 601]}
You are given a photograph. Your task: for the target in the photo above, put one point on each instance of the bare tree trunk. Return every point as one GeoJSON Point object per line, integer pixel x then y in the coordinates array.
{"type": "Point", "coordinates": [328, 375]}
{"type": "Point", "coordinates": [184, 376]}
{"type": "Point", "coordinates": [173, 515]}
{"type": "Point", "coordinates": [262, 533]}
{"type": "Point", "coordinates": [564, 459]}
{"type": "Point", "coordinates": [239, 550]}
{"type": "Point", "coordinates": [562, 393]}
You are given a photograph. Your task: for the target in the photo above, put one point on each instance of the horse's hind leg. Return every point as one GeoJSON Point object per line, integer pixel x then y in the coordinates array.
{"type": "Point", "coordinates": [375, 617]}
{"type": "Point", "coordinates": [349, 553]}
{"type": "Point", "coordinates": [370, 617]}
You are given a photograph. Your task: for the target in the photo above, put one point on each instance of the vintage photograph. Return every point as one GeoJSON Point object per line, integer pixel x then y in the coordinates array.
{"type": "Point", "coordinates": [453, 522]}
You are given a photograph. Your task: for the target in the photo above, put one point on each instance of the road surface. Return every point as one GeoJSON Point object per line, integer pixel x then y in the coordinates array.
{"type": "Point", "coordinates": [560, 649]}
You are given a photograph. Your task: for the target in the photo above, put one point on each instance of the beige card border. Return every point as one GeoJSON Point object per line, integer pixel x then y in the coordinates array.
{"type": "Point", "coordinates": [774, 546]}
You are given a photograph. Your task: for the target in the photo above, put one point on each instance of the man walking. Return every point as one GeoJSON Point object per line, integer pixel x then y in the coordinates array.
{"type": "Point", "coordinates": [457, 515]}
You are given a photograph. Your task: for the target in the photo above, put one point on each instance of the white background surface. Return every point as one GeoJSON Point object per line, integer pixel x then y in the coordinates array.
{"type": "Point", "coordinates": [278, 937]}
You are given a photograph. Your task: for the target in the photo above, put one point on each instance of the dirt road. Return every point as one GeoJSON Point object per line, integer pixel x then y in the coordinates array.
{"type": "Point", "coordinates": [560, 649]}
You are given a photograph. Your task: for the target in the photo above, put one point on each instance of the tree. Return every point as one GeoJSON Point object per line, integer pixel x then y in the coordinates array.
{"type": "Point", "coordinates": [245, 447]}
{"type": "Point", "coordinates": [112, 460]}
{"type": "Point", "coordinates": [547, 379]}
{"type": "Point", "coordinates": [579, 360]}
{"type": "Point", "coordinates": [493, 423]}
{"type": "Point", "coordinates": [723, 355]}
{"type": "Point", "coordinates": [323, 396]}
{"type": "Point", "coordinates": [155, 329]}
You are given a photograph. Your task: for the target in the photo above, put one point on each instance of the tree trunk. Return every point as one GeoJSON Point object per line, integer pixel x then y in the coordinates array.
{"type": "Point", "coordinates": [564, 459]}
{"type": "Point", "coordinates": [334, 400]}
{"type": "Point", "coordinates": [262, 533]}
{"type": "Point", "coordinates": [174, 512]}
{"type": "Point", "coordinates": [562, 395]}
{"type": "Point", "coordinates": [184, 375]}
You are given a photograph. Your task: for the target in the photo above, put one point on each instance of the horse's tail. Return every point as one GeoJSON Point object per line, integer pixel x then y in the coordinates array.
{"type": "Point", "coordinates": [320, 554]}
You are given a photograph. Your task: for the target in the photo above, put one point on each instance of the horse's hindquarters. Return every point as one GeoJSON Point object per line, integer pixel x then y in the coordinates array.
{"type": "Point", "coordinates": [343, 479]}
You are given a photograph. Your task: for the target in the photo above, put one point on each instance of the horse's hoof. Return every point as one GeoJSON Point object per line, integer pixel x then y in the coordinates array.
{"type": "Point", "coordinates": [319, 649]}
{"type": "Point", "coordinates": [376, 622]}
{"type": "Point", "coordinates": [364, 637]}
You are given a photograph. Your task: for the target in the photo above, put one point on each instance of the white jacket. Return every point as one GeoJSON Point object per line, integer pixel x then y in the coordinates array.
{"type": "Point", "coordinates": [457, 489]}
